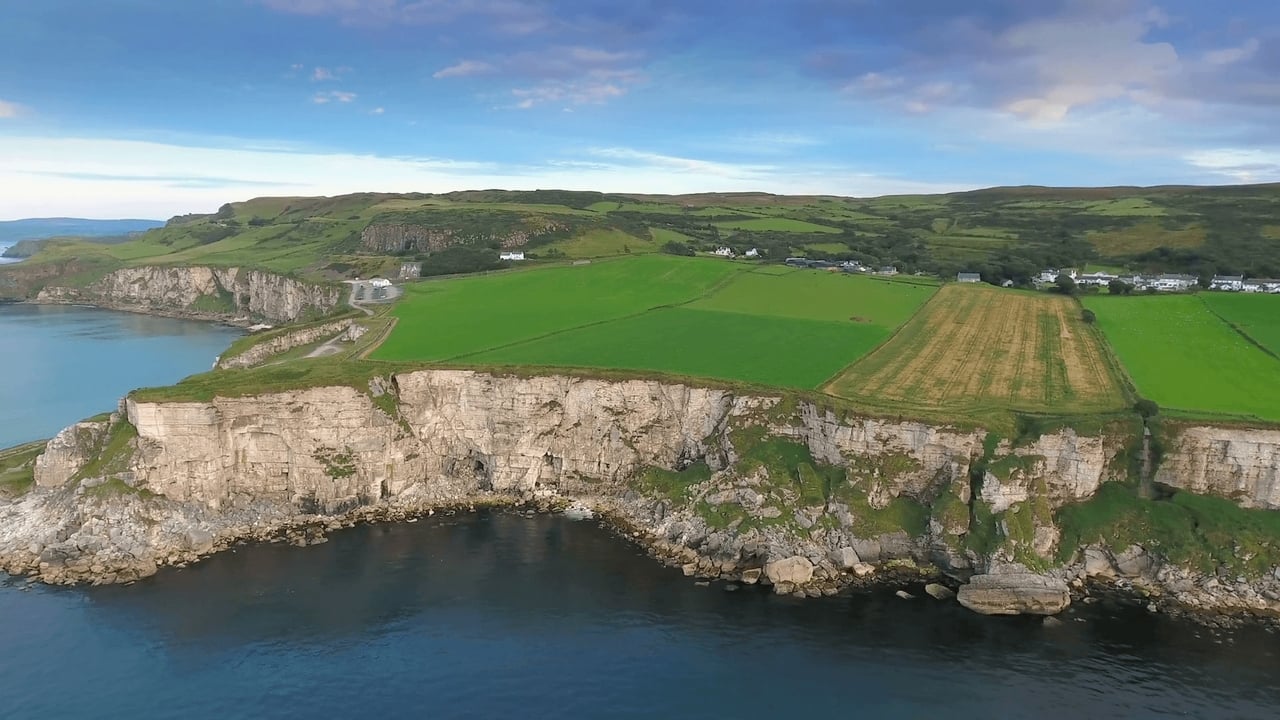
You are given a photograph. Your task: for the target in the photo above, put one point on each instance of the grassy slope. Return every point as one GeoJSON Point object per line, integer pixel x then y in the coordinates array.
{"type": "Point", "coordinates": [1184, 357]}
{"type": "Point", "coordinates": [1257, 316]}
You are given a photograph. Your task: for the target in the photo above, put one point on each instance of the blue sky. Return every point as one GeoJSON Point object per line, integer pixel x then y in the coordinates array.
{"type": "Point", "coordinates": [155, 107]}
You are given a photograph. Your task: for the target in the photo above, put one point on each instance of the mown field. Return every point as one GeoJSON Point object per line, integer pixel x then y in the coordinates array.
{"type": "Point", "coordinates": [1257, 316]}
{"type": "Point", "coordinates": [976, 349]}
{"type": "Point", "coordinates": [1183, 356]}
{"type": "Point", "coordinates": [683, 316]}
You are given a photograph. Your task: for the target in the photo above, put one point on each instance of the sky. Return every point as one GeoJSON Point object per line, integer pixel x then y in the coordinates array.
{"type": "Point", "coordinates": [152, 108]}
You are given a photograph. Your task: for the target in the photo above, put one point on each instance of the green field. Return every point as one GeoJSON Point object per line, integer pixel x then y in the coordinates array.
{"type": "Point", "coordinates": [1257, 316]}
{"type": "Point", "coordinates": [444, 319]}
{"type": "Point", "coordinates": [782, 352]}
{"type": "Point", "coordinates": [1184, 357]}
{"type": "Point", "coordinates": [809, 295]}
{"type": "Point", "coordinates": [683, 316]}
{"type": "Point", "coordinates": [777, 224]}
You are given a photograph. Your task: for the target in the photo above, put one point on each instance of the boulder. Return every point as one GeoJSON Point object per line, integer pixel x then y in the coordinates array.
{"type": "Point", "coordinates": [752, 576]}
{"type": "Point", "coordinates": [939, 592]}
{"type": "Point", "coordinates": [796, 570]}
{"type": "Point", "coordinates": [1134, 561]}
{"type": "Point", "coordinates": [845, 558]}
{"type": "Point", "coordinates": [903, 594]}
{"type": "Point", "coordinates": [864, 569]}
{"type": "Point", "coordinates": [1015, 594]}
{"type": "Point", "coordinates": [1097, 563]}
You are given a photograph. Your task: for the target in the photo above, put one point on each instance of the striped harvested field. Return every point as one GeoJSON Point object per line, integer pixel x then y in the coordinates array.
{"type": "Point", "coordinates": [978, 348]}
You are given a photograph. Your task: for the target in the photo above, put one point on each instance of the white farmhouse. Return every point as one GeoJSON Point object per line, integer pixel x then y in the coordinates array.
{"type": "Point", "coordinates": [1230, 283]}
{"type": "Point", "coordinates": [723, 252]}
{"type": "Point", "coordinates": [380, 282]}
{"type": "Point", "coordinates": [511, 256]}
{"type": "Point", "coordinates": [1101, 279]}
{"type": "Point", "coordinates": [968, 277]}
{"type": "Point", "coordinates": [752, 253]}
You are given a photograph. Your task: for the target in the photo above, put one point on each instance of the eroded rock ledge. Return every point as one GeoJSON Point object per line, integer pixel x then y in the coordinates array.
{"type": "Point", "coordinates": [206, 293]}
{"type": "Point", "coordinates": [754, 489]}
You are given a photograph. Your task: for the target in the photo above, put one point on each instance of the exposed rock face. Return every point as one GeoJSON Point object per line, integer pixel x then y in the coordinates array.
{"type": "Point", "coordinates": [1238, 463]}
{"type": "Point", "coordinates": [205, 292]}
{"type": "Point", "coordinates": [283, 343]}
{"type": "Point", "coordinates": [1014, 594]}
{"type": "Point", "coordinates": [208, 472]}
{"type": "Point", "coordinates": [401, 237]}
{"type": "Point", "coordinates": [68, 451]}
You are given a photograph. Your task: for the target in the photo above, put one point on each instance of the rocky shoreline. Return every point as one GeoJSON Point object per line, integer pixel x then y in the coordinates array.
{"type": "Point", "coordinates": [725, 487]}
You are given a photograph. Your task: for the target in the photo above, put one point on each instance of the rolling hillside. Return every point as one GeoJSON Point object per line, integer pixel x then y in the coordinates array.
{"type": "Point", "coordinates": [1004, 233]}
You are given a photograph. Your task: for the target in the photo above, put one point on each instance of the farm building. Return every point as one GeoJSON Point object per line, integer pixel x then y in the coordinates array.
{"type": "Point", "coordinates": [968, 277]}
{"type": "Point", "coordinates": [723, 252]}
{"type": "Point", "coordinates": [1231, 283]}
{"type": "Point", "coordinates": [410, 271]}
{"type": "Point", "coordinates": [380, 282]}
{"type": "Point", "coordinates": [753, 252]}
{"type": "Point", "coordinates": [511, 256]}
{"type": "Point", "coordinates": [887, 270]}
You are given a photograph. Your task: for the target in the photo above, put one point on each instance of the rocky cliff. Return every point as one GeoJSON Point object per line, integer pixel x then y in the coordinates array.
{"type": "Point", "coordinates": [394, 237]}
{"type": "Point", "coordinates": [286, 341]}
{"type": "Point", "coordinates": [748, 488]}
{"type": "Point", "coordinates": [229, 294]}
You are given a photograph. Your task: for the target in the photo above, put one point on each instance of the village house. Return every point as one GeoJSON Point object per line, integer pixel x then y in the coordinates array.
{"type": "Point", "coordinates": [511, 256]}
{"type": "Point", "coordinates": [724, 252]}
{"type": "Point", "coordinates": [752, 253]}
{"type": "Point", "coordinates": [1261, 285]}
{"type": "Point", "coordinates": [1101, 279]}
{"type": "Point", "coordinates": [1230, 283]}
{"type": "Point", "coordinates": [1173, 283]}
{"type": "Point", "coordinates": [887, 270]}
{"type": "Point", "coordinates": [380, 282]}
{"type": "Point", "coordinates": [968, 277]}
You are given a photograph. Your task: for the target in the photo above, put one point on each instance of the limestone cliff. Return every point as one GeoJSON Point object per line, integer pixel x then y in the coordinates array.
{"type": "Point", "coordinates": [286, 341]}
{"type": "Point", "coordinates": [202, 292]}
{"type": "Point", "coordinates": [1232, 462]}
{"type": "Point", "coordinates": [744, 487]}
{"type": "Point", "coordinates": [394, 237]}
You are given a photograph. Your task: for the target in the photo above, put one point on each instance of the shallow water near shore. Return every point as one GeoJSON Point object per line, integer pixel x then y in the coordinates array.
{"type": "Point", "coordinates": [60, 364]}
{"type": "Point", "coordinates": [496, 614]}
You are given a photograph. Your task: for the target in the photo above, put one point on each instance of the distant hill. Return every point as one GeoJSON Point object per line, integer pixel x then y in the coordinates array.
{"type": "Point", "coordinates": [1007, 234]}
{"type": "Point", "coordinates": [12, 231]}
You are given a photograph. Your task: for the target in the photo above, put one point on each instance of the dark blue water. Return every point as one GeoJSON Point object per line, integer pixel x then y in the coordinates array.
{"type": "Point", "coordinates": [61, 364]}
{"type": "Point", "coordinates": [503, 616]}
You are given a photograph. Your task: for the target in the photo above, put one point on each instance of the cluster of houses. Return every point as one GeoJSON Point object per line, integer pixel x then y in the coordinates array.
{"type": "Point", "coordinates": [727, 252]}
{"type": "Point", "coordinates": [517, 256]}
{"type": "Point", "coordinates": [1166, 282]}
{"type": "Point", "coordinates": [849, 266]}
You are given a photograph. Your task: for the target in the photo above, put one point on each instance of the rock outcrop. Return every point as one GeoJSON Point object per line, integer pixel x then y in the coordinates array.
{"type": "Point", "coordinates": [1014, 594]}
{"type": "Point", "coordinates": [1239, 463]}
{"type": "Point", "coordinates": [228, 294]}
{"type": "Point", "coordinates": [409, 237]}
{"type": "Point", "coordinates": [287, 341]}
{"type": "Point", "coordinates": [838, 500]}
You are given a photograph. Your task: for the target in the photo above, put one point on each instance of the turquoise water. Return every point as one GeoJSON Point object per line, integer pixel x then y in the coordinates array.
{"type": "Point", "coordinates": [62, 364]}
{"type": "Point", "coordinates": [501, 616]}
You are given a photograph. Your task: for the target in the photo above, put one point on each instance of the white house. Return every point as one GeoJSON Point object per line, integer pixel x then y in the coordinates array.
{"type": "Point", "coordinates": [511, 256]}
{"type": "Point", "coordinates": [968, 277]}
{"type": "Point", "coordinates": [887, 270]}
{"type": "Point", "coordinates": [1232, 283]}
{"type": "Point", "coordinates": [723, 252]}
{"type": "Point", "coordinates": [1173, 283]}
{"type": "Point", "coordinates": [753, 252]}
{"type": "Point", "coordinates": [1100, 279]}
{"type": "Point", "coordinates": [380, 282]}
{"type": "Point", "coordinates": [1261, 285]}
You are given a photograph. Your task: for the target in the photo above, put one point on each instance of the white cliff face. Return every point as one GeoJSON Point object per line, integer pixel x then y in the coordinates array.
{"type": "Point", "coordinates": [1238, 463]}
{"type": "Point", "coordinates": [203, 473]}
{"type": "Point", "coordinates": [225, 293]}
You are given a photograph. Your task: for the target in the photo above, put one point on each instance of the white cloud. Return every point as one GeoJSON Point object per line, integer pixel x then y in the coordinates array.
{"type": "Point", "coordinates": [464, 68]}
{"type": "Point", "coordinates": [333, 96]}
{"type": "Point", "coordinates": [10, 110]}
{"type": "Point", "coordinates": [1230, 56]}
{"type": "Point", "coordinates": [1242, 165]}
{"type": "Point", "coordinates": [84, 177]}
{"type": "Point", "coordinates": [377, 111]}
{"type": "Point", "coordinates": [320, 74]}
